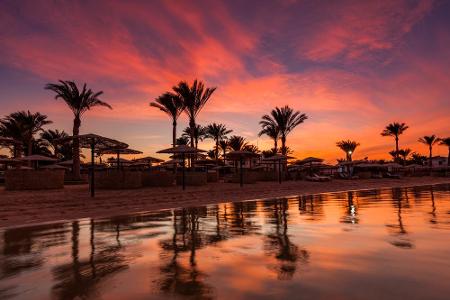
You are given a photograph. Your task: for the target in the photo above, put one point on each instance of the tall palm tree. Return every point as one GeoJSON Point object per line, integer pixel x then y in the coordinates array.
{"type": "Point", "coordinates": [236, 143]}
{"type": "Point", "coordinates": [446, 142]}
{"type": "Point", "coordinates": [53, 137]}
{"type": "Point", "coordinates": [217, 132]}
{"type": "Point", "coordinates": [199, 134]}
{"type": "Point", "coordinates": [251, 148]}
{"type": "Point", "coordinates": [429, 141]}
{"type": "Point", "coordinates": [194, 98]}
{"type": "Point", "coordinates": [286, 119]}
{"type": "Point", "coordinates": [395, 129]}
{"type": "Point", "coordinates": [348, 147]}
{"type": "Point", "coordinates": [271, 130]}
{"type": "Point", "coordinates": [173, 106]}
{"type": "Point", "coordinates": [418, 158]}
{"type": "Point", "coordinates": [78, 102]}
{"type": "Point", "coordinates": [23, 126]}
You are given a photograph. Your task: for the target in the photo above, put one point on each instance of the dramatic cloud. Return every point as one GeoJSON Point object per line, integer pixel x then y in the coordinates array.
{"type": "Point", "coordinates": [352, 66]}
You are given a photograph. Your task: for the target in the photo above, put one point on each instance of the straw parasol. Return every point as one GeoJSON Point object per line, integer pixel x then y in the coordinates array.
{"type": "Point", "coordinates": [66, 163]}
{"type": "Point", "coordinates": [36, 159]}
{"type": "Point", "coordinates": [183, 150]}
{"type": "Point", "coordinates": [240, 155]}
{"type": "Point", "coordinates": [118, 152]}
{"type": "Point", "coordinates": [94, 142]}
{"type": "Point", "coordinates": [55, 167]}
{"type": "Point", "coordinates": [149, 160]}
{"type": "Point", "coordinates": [278, 158]}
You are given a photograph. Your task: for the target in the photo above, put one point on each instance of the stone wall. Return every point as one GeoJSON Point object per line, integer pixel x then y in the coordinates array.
{"type": "Point", "coordinates": [44, 179]}
{"type": "Point", "coordinates": [118, 179]}
{"type": "Point", "coordinates": [192, 178]}
{"type": "Point", "coordinates": [157, 178]}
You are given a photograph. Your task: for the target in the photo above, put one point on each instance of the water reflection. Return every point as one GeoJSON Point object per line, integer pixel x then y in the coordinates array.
{"type": "Point", "coordinates": [205, 252]}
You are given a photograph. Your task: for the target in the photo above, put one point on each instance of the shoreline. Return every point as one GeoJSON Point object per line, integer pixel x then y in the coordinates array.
{"type": "Point", "coordinates": [25, 208]}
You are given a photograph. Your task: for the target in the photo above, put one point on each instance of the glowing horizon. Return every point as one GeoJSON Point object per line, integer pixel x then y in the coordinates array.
{"type": "Point", "coordinates": [351, 66]}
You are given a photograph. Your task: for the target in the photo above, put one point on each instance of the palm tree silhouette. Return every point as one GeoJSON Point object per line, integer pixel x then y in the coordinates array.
{"type": "Point", "coordinates": [395, 129]}
{"type": "Point", "coordinates": [285, 119]}
{"type": "Point", "coordinates": [53, 137]}
{"type": "Point", "coordinates": [217, 132]}
{"type": "Point", "coordinates": [272, 131]}
{"type": "Point", "coordinates": [429, 140]}
{"type": "Point", "coordinates": [199, 134]}
{"type": "Point", "coordinates": [404, 153]}
{"type": "Point", "coordinates": [348, 147]}
{"type": "Point", "coordinates": [173, 106]}
{"type": "Point", "coordinates": [446, 142]}
{"type": "Point", "coordinates": [224, 146]}
{"type": "Point", "coordinates": [23, 125]}
{"type": "Point", "coordinates": [194, 98]}
{"type": "Point", "coordinates": [79, 102]}
{"type": "Point", "coordinates": [236, 143]}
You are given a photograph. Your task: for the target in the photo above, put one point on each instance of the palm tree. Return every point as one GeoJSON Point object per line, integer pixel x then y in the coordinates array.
{"type": "Point", "coordinates": [182, 140]}
{"type": "Point", "coordinates": [236, 143]}
{"type": "Point", "coordinates": [285, 119]}
{"type": "Point", "coordinates": [418, 158]}
{"type": "Point", "coordinates": [404, 153]}
{"type": "Point", "coordinates": [348, 147]}
{"type": "Point", "coordinates": [395, 129]}
{"type": "Point", "coordinates": [199, 134]}
{"type": "Point", "coordinates": [53, 137]}
{"type": "Point", "coordinates": [23, 126]}
{"type": "Point", "coordinates": [251, 148]}
{"type": "Point", "coordinates": [217, 132]}
{"type": "Point", "coordinates": [446, 142]}
{"type": "Point", "coordinates": [78, 102]}
{"type": "Point", "coordinates": [272, 131]}
{"type": "Point", "coordinates": [224, 146]}
{"type": "Point", "coordinates": [173, 106]}
{"type": "Point", "coordinates": [429, 141]}
{"type": "Point", "coordinates": [194, 98]}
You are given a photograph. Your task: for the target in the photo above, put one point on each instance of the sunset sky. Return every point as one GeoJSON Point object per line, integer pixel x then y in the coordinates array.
{"type": "Point", "coordinates": [351, 66]}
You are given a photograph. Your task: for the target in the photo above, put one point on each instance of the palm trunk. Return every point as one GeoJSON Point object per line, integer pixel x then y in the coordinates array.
{"type": "Point", "coordinates": [275, 145]}
{"type": "Point", "coordinates": [30, 150]}
{"type": "Point", "coordinates": [283, 144]}
{"type": "Point", "coordinates": [396, 147]}
{"type": "Point", "coordinates": [174, 133]}
{"type": "Point", "coordinates": [192, 131]}
{"type": "Point", "coordinates": [76, 149]}
{"type": "Point", "coordinates": [431, 156]}
{"type": "Point", "coordinates": [217, 151]}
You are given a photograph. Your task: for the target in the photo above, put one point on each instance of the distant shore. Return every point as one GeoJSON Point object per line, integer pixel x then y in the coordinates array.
{"type": "Point", "coordinates": [73, 202]}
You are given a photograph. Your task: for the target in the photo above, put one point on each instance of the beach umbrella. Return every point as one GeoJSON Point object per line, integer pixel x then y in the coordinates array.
{"type": "Point", "coordinates": [278, 158]}
{"type": "Point", "coordinates": [239, 156]}
{"type": "Point", "coordinates": [182, 150]}
{"type": "Point", "coordinates": [54, 167]}
{"type": "Point", "coordinates": [94, 142]}
{"type": "Point", "coordinates": [118, 152]}
{"type": "Point", "coordinates": [67, 163]}
{"type": "Point", "coordinates": [37, 158]}
{"type": "Point", "coordinates": [149, 160]}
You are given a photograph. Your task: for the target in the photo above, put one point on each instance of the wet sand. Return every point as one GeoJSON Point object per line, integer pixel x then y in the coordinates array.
{"type": "Point", "coordinates": [73, 202]}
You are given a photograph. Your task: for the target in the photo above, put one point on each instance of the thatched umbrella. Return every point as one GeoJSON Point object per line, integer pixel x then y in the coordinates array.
{"type": "Point", "coordinates": [36, 159]}
{"type": "Point", "coordinates": [239, 156]}
{"type": "Point", "coordinates": [95, 143]}
{"type": "Point", "coordinates": [149, 160]}
{"type": "Point", "coordinates": [118, 152]}
{"type": "Point", "coordinates": [183, 150]}
{"type": "Point", "coordinates": [278, 158]}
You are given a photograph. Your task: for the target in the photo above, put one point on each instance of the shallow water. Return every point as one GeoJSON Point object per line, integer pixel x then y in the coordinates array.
{"type": "Point", "coordinates": [379, 244]}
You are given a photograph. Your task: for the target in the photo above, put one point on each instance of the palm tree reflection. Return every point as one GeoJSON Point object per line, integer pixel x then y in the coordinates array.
{"type": "Point", "coordinates": [278, 244]}
{"type": "Point", "coordinates": [398, 231]}
{"type": "Point", "coordinates": [351, 211]}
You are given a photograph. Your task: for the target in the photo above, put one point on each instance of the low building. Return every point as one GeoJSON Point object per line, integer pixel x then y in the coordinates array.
{"type": "Point", "coordinates": [438, 161]}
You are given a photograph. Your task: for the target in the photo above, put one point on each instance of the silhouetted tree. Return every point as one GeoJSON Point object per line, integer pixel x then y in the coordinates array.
{"type": "Point", "coordinates": [348, 147]}
{"type": "Point", "coordinates": [395, 129]}
{"type": "Point", "coordinates": [217, 132]}
{"type": "Point", "coordinates": [446, 142]}
{"type": "Point", "coordinates": [236, 143]}
{"type": "Point", "coordinates": [271, 130]}
{"type": "Point", "coordinates": [429, 141]}
{"type": "Point", "coordinates": [23, 126]}
{"type": "Point", "coordinates": [53, 138]}
{"type": "Point", "coordinates": [173, 106]}
{"type": "Point", "coordinates": [194, 98]}
{"type": "Point", "coordinates": [78, 102]}
{"type": "Point", "coordinates": [199, 134]}
{"type": "Point", "coordinates": [285, 119]}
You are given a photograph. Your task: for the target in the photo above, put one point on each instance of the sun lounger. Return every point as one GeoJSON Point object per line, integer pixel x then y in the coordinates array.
{"type": "Point", "coordinates": [322, 178]}
{"type": "Point", "coordinates": [393, 176]}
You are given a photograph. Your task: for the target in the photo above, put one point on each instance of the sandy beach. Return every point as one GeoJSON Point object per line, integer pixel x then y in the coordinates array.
{"type": "Point", "coordinates": [73, 202]}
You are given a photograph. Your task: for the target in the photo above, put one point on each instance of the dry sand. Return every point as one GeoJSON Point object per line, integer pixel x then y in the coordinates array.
{"type": "Point", "coordinates": [73, 202]}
